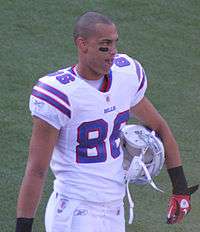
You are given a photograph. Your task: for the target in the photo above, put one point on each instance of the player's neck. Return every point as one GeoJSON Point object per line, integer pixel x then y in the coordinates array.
{"type": "Point", "coordinates": [86, 73]}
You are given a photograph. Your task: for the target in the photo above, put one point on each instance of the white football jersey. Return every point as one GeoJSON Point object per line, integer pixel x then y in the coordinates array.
{"type": "Point", "coordinates": [87, 159]}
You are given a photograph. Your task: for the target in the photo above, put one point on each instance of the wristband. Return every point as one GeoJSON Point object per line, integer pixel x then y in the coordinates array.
{"type": "Point", "coordinates": [24, 224]}
{"type": "Point", "coordinates": [178, 180]}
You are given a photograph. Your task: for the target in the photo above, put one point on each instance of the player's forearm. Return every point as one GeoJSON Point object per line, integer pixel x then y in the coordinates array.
{"type": "Point", "coordinates": [146, 113]}
{"type": "Point", "coordinates": [171, 147]}
{"type": "Point", "coordinates": [29, 195]}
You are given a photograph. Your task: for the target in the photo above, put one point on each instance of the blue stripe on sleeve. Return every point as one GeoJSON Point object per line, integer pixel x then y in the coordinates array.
{"type": "Point", "coordinates": [52, 102]}
{"type": "Point", "coordinates": [137, 66]}
{"type": "Point", "coordinates": [143, 81]}
{"type": "Point", "coordinates": [53, 91]}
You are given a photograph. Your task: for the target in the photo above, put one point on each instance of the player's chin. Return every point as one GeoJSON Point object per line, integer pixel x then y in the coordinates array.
{"type": "Point", "coordinates": [106, 68]}
{"type": "Point", "coordinates": [105, 71]}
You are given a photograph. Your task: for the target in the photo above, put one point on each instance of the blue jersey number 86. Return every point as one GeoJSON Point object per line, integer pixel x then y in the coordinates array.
{"type": "Point", "coordinates": [92, 149]}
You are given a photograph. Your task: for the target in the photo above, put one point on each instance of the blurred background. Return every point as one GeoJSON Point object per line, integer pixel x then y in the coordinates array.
{"type": "Point", "coordinates": [164, 35]}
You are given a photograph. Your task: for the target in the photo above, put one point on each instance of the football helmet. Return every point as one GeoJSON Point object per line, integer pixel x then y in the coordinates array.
{"type": "Point", "coordinates": [143, 157]}
{"type": "Point", "coordinates": [143, 153]}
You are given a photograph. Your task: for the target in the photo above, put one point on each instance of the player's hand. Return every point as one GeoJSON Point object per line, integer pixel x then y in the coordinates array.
{"type": "Point", "coordinates": [179, 206]}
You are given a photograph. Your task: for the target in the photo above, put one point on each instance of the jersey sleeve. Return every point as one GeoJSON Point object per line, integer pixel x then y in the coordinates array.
{"type": "Point", "coordinates": [141, 86]}
{"type": "Point", "coordinates": [50, 104]}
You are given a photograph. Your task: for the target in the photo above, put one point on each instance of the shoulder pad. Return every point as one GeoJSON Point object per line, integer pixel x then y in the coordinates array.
{"type": "Point", "coordinates": [128, 65]}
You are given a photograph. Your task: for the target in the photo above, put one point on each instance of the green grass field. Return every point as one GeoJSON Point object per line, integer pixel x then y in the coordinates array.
{"type": "Point", "coordinates": [36, 38]}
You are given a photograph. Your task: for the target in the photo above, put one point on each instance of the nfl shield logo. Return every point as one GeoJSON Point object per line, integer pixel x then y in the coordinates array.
{"type": "Point", "coordinates": [108, 98]}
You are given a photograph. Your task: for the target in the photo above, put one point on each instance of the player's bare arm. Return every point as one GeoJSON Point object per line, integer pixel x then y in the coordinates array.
{"type": "Point", "coordinates": [146, 113]}
{"type": "Point", "coordinates": [180, 201]}
{"type": "Point", "coordinates": [42, 142]}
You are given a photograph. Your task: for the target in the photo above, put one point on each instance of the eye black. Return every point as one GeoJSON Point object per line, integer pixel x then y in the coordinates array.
{"type": "Point", "coordinates": [103, 49]}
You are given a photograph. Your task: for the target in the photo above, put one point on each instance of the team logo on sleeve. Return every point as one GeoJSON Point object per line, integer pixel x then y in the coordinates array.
{"type": "Point", "coordinates": [38, 103]}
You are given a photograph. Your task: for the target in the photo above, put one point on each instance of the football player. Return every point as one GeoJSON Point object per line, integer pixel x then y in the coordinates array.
{"type": "Point", "coordinates": [77, 116]}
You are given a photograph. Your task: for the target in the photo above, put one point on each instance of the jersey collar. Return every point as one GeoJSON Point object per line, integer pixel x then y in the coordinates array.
{"type": "Point", "coordinates": [105, 87]}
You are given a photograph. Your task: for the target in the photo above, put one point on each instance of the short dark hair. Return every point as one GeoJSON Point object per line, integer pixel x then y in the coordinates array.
{"type": "Point", "coordinates": [85, 24]}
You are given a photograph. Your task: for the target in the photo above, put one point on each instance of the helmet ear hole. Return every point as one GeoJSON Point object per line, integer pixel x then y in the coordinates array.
{"type": "Point", "coordinates": [143, 143]}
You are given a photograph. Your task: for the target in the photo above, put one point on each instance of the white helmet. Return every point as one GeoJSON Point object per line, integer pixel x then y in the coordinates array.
{"type": "Point", "coordinates": [143, 158]}
{"type": "Point", "coordinates": [143, 153]}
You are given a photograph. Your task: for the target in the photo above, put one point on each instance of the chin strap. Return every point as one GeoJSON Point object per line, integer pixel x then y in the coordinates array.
{"type": "Point", "coordinates": [137, 165]}
{"type": "Point", "coordinates": [149, 179]}
{"type": "Point", "coordinates": [131, 204]}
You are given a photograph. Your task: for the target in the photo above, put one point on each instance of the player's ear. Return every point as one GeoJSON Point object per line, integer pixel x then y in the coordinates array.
{"type": "Point", "coordinates": [81, 44]}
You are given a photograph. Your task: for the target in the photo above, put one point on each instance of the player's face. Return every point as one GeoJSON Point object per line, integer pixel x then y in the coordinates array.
{"type": "Point", "coordinates": [101, 49]}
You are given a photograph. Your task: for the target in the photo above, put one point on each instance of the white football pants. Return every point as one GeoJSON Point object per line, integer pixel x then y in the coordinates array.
{"type": "Point", "coordinates": [70, 215]}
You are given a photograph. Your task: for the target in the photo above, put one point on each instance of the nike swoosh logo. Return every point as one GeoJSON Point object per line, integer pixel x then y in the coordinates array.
{"type": "Point", "coordinates": [169, 214]}
{"type": "Point", "coordinates": [185, 211]}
